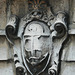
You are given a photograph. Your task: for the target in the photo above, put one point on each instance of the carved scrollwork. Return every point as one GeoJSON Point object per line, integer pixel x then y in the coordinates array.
{"type": "Point", "coordinates": [60, 25]}
{"type": "Point", "coordinates": [12, 28]}
{"type": "Point", "coordinates": [59, 35]}
{"type": "Point", "coordinates": [52, 70]}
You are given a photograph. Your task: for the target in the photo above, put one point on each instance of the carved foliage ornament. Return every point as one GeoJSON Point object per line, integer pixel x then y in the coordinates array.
{"type": "Point", "coordinates": [40, 33]}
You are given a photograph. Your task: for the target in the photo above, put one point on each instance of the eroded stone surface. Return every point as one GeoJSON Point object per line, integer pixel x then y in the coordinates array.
{"type": "Point", "coordinates": [7, 68]}
{"type": "Point", "coordinates": [59, 5]}
{"type": "Point", "coordinates": [19, 7]}
{"type": "Point", "coordinates": [2, 14]}
{"type": "Point", "coordinates": [69, 50]}
{"type": "Point", "coordinates": [5, 50]}
{"type": "Point", "coordinates": [67, 68]}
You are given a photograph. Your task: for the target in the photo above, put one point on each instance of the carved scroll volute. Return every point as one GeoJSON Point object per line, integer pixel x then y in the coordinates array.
{"type": "Point", "coordinates": [12, 28]}
{"type": "Point", "coordinates": [59, 35]}
{"type": "Point", "coordinates": [11, 34]}
{"type": "Point", "coordinates": [59, 28]}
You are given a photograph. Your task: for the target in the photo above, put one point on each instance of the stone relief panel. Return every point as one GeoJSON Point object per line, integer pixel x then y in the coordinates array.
{"type": "Point", "coordinates": [41, 35]}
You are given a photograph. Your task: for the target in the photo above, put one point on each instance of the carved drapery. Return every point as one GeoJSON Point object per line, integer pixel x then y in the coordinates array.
{"type": "Point", "coordinates": [41, 54]}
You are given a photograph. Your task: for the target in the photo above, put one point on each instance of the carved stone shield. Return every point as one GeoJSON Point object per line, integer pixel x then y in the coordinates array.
{"type": "Point", "coordinates": [41, 35]}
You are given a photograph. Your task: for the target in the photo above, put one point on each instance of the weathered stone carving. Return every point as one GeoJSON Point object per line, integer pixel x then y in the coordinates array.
{"type": "Point", "coordinates": [42, 35]}
{"type": "Point", "coordinates": [12, 28]}
{"type": "Point", "coordinates": [59, 35]}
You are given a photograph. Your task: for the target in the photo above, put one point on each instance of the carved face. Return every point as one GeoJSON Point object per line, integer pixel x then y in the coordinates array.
{"type": "Point", "coordinates": [37, 42]}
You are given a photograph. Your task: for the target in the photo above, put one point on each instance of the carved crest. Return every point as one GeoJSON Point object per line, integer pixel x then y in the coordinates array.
{"type": "Point", "coordinates": [40, 33]}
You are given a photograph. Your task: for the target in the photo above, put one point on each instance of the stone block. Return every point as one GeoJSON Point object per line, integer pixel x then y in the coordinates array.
{"type": "Point", "coordinates": [68, 53]}
{"type": "Point", "coordinates": [7, 68]}
{"type": "Point", "coordinates": [67, 68]}
{"type": "Point", "coordinates": [5, 50]}
{"type": "Point", "coordinates": [19, 7]}
{"type": "Point", "coordinates": [2, 14]}
{"type": "Point", "coordinates": [60, 5]}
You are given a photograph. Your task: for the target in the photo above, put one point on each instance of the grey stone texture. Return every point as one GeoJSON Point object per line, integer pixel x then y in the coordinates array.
{"type": "Point", "coordinates": [68, 53]}
{"type": "Point", "coordinates": [2, 14]}
{"type": "Point", "coordinates": [7, 68]}
{"type": "Point", "coordinates": [67, 68]}
{"type": "Point", "coordinates": [6, 51]}
{"type": "Point", "coordinates": [19, 7]}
